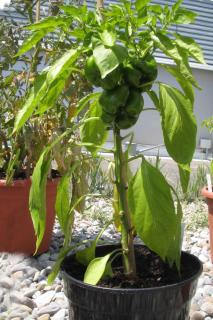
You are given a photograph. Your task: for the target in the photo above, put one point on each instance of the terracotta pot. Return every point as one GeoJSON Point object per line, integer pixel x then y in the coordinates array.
{"type": "Point", "coordinates": [16, 227]}
{"type": "Point", "coordinates": [209, 199]}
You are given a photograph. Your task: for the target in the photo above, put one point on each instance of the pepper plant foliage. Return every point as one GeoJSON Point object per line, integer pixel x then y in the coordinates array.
{"type": "Point", "coordinates": [117, 46]}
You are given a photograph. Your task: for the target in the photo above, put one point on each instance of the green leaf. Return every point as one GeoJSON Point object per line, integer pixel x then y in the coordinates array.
{"type": "Point", "coordinates": [94, 132]}
{"type": "Point", "coordinates": [174, 251]}
{"type": "Point", "coordinates": [153, 96]}
{"type": "Point", "coordinates": [37, 199]}
{"type": "Point", "coordinates": [176, 6]}
{"type": "Point", "coordinates": [42, 90]}
{"type": "Point", "coordinates": [184, 172]}
{"type": "Point", "coordinates": [185, 85]}
{"type": "Point", "coordinates": [190, 45]}
{"type": "Point", "coordinates": [184, 16]}
{"type": "Point", "coordinates": [96, 269]}
{"type": "Point", "coordinates": [86, 255]}
{"type": "Point", "coordinates": [85, 100]}
{"type": "Point", "coordinates": [153, 210]}
{"type": "Point", "coordinates": [75, 12]}
{"type": "Point", "coordinates": [140, 4]}
{"type": "Point", "coordinates": [63, 199]}
{"type": "Point", "coordinates": [108, 38]}
{"type": "Point", "coordinates": [56, 268]}
{"type": "Point", "coordinates": [38, 91]}
{"type": "Point", "coordinates": [50, 22]}
{"type": "Point", "coordinates": [178, 124]}
{"type": "Point", "coordinates": [30, 42]}
{"type": "Point", "coordinates": [108, 59]}
{"type": "Point", "coordinates": [211, 167]}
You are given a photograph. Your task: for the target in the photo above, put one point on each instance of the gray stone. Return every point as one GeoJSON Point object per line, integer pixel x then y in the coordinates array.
{"type": "Point", "coordinates": [208, 290]}
{"type": "Point", "coordinates": [6, 282]}
{"type": "Point", "coordinates": [30, 292]}
{"type": "Point", "coordinates": [208, 308]}
{"type": "Point", "coordinates": [44, 317]}
{"type": "Point", "coordinates": [16, 297]}
{"type": "Point", "coordinates": [198, 315]}
{"type": "Point", "coordinates": [60, 315]}
{"type": "Point", "coordinates": [44, 298]}
{"type": "Point", "coordinates": [51, 309]}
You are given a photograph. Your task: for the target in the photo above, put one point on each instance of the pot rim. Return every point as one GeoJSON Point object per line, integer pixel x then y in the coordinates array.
{"type": "Point", "coordinates": [207, 194]}
{"type": "Point", "coordinates": [138, 290]}
{"type": "Point", "coordinates": [23, 182]}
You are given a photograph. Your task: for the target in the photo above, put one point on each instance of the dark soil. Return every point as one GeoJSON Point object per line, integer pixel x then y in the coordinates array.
{"type": "Point", "coordinates": [151, 270]}
{"type": "Point", "coordinates": [21, 175]}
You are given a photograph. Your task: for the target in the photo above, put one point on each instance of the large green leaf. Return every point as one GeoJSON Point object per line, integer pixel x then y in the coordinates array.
{"type": "Point", "coordinates": [108, 59]}
{"type": "Point", "coordinates": [38, 91]}
{"type": "Point", "coordinates": [191, 47]}
{"type": "Point", "coordinates": [63, 200]}
{"type": "Point", "coordinates": [85, 100]}
{"type": "Point", "coordinates": [178, 124]}
{"type": "Point", "coordinates": [184, 16]}
{"type": "Point", "coordinates": [37, 199]}
{"type": "Point", "coordinates": [34, 38]}
{"type": "Point", "coordinates": [96, 269]}
{"type": "Point", "coordinates": [94, 132]}
{"type": "Point", "coordinates": [172, 50]}
{"type": "Point", "coordinates": [43, 91]}
{"type": "Point", "coordinates": [49, 22]}
{"type": "Point", "coordinates": [185, 85]}
{"type": "Point", "coordinates": [108, 38]}
{"type": "Point", "coordinates": [184, 172]}
{"type": "Point", "coordinates": [174, 251]}
{"type": "Point", "coordinates": [153, 209]}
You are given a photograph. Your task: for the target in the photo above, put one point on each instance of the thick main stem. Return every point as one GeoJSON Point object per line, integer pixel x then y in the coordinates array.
{"type": "Point", "coordinates": [121, 175]}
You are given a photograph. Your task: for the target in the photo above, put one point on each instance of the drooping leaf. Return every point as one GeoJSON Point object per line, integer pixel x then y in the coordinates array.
{"type": "Point", "coordinates": [174, 251]}
{"type": "Point", "coordinates": [96, 269]}
{"type": "Point", "coordinates": [172, 50]}
{"type": "Point", "coordinates": [193, 48]}
{"type": "Point", "coordinates": [49, 22]}
{"type": "Point", "coordinates": [152, 207]}
{"type": "Point", "coordinates": [153, 96]}
{"type": "Point", "coordinates": [34, 38]}
{"type": "Point", "coordinates": [41, 90]}
{"type": "Point", "coordinates": [185, 85]}
{"type": "Point", "coordinates": [94, 134]}
{"type": "Point", "coordinates": [37, 198]}
{"type": "Point", "coordinates": [56, 268]}
{"type": "Point", "coordinates": [38, 91]}
{"type": "Point", "coordinates": [178, 124]}
{"type": "Point", "coordinates": [184, 172]}
{"type": "Point", "coordinates": [63, 199]}
{"type": "Point", "coordinates": [184, 16]}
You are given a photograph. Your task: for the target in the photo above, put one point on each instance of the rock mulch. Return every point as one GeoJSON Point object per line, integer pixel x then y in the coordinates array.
{"type": "Point", "coordinates": [25, 294]}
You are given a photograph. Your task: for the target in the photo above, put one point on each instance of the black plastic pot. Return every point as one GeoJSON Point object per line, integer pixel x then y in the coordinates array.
{"type": "Point", "coordinates": [170, 302]}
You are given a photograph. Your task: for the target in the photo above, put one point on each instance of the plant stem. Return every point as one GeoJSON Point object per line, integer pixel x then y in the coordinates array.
{"type": "Point", "coordinates": [121, 175]}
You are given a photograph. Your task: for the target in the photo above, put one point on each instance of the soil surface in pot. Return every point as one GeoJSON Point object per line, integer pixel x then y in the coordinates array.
{"type": "Point", "coordinates": [151, 271]}
{"type": "Point", "coordinates": [21, 175]}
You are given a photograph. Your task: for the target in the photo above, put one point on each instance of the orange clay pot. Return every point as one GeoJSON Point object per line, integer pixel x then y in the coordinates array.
{"type": "Point", "coordinates": [16, 228]}
{"type": "Point", "coordinates": [209, 199]}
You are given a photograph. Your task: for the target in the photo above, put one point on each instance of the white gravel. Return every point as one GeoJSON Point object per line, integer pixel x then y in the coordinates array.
{"type": "Point", "coordinates": [24, 293]}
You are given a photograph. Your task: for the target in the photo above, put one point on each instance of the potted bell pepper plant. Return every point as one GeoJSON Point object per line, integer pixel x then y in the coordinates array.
{"type": "Point", "coordinates": [116, 46]}
{"type": "Point", "coordinates": [207, 192]}
{"type": "Point", "coordinates": [19, 153]}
